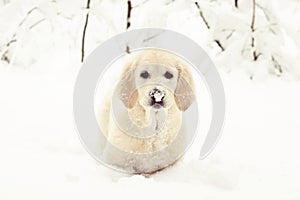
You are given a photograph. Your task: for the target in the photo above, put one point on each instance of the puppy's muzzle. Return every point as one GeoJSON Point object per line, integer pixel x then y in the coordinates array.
{"type": "Point", "coordinates": [157, 97]}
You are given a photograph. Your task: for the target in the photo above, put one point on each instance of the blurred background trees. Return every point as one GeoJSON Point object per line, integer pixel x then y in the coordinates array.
{"type": "Point", "coordinates": [259, 38]}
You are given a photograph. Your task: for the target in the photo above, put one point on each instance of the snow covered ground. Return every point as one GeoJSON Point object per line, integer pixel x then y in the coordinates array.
{"type": "Point", "coordinates": [257, 156]}
{"type": "Point", "coordinates": [42, 158]}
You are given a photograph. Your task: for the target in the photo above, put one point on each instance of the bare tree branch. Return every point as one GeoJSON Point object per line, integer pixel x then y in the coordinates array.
{"type": "Point", "coordinates": [128, 17]}
{"type": "Point", "coordinates": [4, 57]}
{"type": "Point", "coordinates": [150, 38]}
{"type": "Point", "coordinates": [27, 14]}
{"type": "Point", "coordinates": [277, 66]}
{"type": "Point", "coordinates": [127, 50]}
{"type": "Point", "coordinates": [252, 26]}
{"type": "Point", "coordinates": [236, 3]}
{"type": "Point", "coordinates": [37, 23]}
{"type": "Point", "coordinates": [13, 39]}
{"type": "Point", "coordinates": [253, 15]}
{"type": "Point", "coordinates": [230, 34]}
{"type": "Point", "coordinates": [201, 15]}
{"type": "Point", "coordinates": [140, 4]}
{"type": "Point", "coordinates": [129, 8]}
{"type": "Point", "coordinates": [218, 42]}
{"type": "Point", "coordinates": [84, 30]}
{"type": "Point", "coordinates": [267, 14]}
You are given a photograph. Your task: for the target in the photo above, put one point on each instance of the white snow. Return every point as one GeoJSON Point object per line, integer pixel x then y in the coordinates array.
{"type": "Point", "coordinates": [257, 156]}
{"type": "Point", "coordinates": [42, 158]}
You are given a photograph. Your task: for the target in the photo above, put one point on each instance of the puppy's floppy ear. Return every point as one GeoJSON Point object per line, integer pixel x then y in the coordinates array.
{"type": "Point", "coordinates": [127, 89]}
{"type": "Point", "coordinates": [184, 93]}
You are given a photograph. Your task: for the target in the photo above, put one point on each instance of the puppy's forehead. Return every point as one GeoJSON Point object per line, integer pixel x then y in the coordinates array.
{"type": "Point", "coordinates": [155, 69]}
{"type": "Point", "coordinates": [156, 75]}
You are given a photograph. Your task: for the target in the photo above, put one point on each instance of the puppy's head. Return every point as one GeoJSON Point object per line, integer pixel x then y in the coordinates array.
{"type": "Point", "coordinates": [156, 79]}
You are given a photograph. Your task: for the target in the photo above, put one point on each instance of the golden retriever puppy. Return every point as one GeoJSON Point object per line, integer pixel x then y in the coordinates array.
{"type": "Point", "coordinates": [144, 113]}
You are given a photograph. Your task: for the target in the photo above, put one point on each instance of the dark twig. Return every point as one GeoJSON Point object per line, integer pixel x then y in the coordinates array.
{"type": "Point", "coordinates": [277, 66]}
{"type": "Point", "coordinates": [252, 26]}
{"type": "Point", "coordinates": [5, 57]}
{"type": "Point", "coordinates": [129, 8]}
{"type": "Point", "coordinates": [10, 42]}
{"type": "Point", "coordinates": [127, 50]}
{"type": "Point", "coordinates": [253, 16]}
{"type": "Point", "coordinates": [201, 15]}
{"type": "Point", "coordinates": [236, 3]}
{"type": "Point", "coordinates": [84, 30]}
{"type": "Point", "coordinates": [229, 35]}
{"type": "Point", "coordinates": [218, 42]}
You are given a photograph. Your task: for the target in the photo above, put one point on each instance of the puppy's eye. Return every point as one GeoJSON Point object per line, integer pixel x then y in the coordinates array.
{"type": "Point", "coordinates": [168, 75]}
{"type": "Point", "coordinates": [145, 75]}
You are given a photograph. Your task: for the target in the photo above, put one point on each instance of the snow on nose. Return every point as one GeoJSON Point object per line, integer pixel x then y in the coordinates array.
{"type": "Point", "coordinates": [157, 94]}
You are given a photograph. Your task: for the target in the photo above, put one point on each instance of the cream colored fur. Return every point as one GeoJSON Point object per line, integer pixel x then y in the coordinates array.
{"type": "Point", "coordinates": [177, 100]}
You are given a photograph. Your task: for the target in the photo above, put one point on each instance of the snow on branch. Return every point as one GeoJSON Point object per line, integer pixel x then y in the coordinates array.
{"type": "Point", "coordinates": [5, 57]}
{"type": "Point", "coordinates": [218, 42]}
{"type": "Point", "coordinates": [256, 37]}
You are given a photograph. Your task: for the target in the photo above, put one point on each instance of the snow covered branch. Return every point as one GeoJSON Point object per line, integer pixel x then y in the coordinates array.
{"type": "Point", "coordinates": [218, 42]}
{"type": "Point", "coordinates": [264, 38]}
{"type": "Point", "coordinates": [5, 57]}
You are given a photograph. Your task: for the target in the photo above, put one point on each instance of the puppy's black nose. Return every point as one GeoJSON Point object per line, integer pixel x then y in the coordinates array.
{"type": "Point", "coordinates": [157, 95]}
